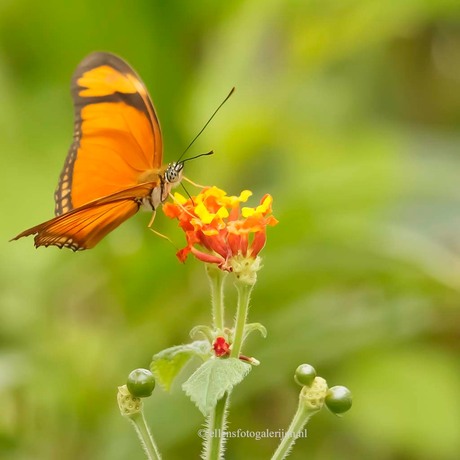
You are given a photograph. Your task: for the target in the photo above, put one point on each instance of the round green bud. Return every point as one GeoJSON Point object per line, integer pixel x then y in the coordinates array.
{"type": "Point", "coordinates": [141, 383]}
{"type": "Point", "coordinates": [304, 375]}
{"type": "Point", "coordinates": [338, 399]}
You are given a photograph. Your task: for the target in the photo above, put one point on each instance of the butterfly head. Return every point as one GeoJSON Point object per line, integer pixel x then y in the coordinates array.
{"type": "Point", "coordinates": [173, 173]}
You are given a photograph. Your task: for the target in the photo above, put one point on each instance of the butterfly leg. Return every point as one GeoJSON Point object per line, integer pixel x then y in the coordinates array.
{"type": "Point", "coordinates": [149, 226]}
{"type": "Point", "coordinates": [154, 213]}
{"type": "Point", "coordinates": [162, 236]}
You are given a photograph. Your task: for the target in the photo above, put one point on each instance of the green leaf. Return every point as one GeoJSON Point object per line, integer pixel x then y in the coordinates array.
{"type": "Point", "coordinates": [255, 327]}
{"type": "Point", "coordinates": [205, 331]}
{"type": "Point", "coordinates": [168, 363]}
{"type": "Point", "coordinates": [212, 379]}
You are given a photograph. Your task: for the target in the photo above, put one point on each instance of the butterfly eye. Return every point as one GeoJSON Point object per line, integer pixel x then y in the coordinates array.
{"type": "Point", "coordinates": [173, 172]}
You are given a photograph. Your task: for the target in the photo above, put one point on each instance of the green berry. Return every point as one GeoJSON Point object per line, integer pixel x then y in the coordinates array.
{"type": "Point", "coordinates": [338, 399]}
{"type": "Point", "coordinates": [141, 383]}
{"type": "Point", "coordinates": [304, 375]}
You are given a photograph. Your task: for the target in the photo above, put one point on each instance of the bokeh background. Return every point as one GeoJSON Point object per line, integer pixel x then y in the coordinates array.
{"type": "Point", "coordinates": [348, 113]}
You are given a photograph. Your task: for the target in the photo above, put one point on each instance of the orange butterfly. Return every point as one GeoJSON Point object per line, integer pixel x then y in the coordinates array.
{"type": "Point", "coordinates": [114, 165]}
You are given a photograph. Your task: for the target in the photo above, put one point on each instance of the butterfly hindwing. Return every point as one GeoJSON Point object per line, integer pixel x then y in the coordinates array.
{"type": "Point", "coordinates": [83, 227]}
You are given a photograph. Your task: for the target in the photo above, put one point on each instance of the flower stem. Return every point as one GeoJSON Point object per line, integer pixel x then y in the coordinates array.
{"type": "Point", "coordinates": [145, 437]}
{"type": "Point", "coordinates": [214, 445]}
{"type": "Point", "coordinates": [311, 400]}
{"type": "Point", "coordinates": [216, 280]}
{"type": "Point", "coordinates": [244, 294]}
{"type": "Point", "coordinates": [298, 422]}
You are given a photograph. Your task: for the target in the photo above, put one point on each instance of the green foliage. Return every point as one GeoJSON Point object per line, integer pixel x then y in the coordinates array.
{"type": "Point", "coordinates": [213, 379]}
{"type": "Point", "coordinates": [251, 327]}
{"type": "Point", "coordinates": [167, 364]}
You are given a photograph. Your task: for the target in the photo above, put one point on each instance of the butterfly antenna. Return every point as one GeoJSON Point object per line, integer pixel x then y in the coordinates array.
{"type": "Point", "coordinates": [211, 152]}
{"type": "Point", "coordinates": [188, 194]}
{"type": "Point", "coordinates": [207, 123]}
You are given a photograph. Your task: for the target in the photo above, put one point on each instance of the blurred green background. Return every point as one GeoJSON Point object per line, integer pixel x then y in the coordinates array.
{"type": "Point", "coordinates": [348, 113]}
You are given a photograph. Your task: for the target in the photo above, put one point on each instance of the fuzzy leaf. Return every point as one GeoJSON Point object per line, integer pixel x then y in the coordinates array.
{"type": "Point", "coordinates": [250, 327]}
{"type": "Point", "coordinates": [212, 379]}
{"type": "Point", "coordinates": [168, 363]}
{"type": "Point", "coordinates": [205, 331]}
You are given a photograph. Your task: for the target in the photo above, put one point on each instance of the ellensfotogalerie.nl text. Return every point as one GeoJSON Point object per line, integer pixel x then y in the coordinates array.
{"type": "Point", "coordinates": [257, 435]}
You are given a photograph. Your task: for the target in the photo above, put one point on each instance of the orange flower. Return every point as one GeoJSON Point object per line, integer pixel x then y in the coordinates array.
{"type": "Point", "coordinates": [217, 230]}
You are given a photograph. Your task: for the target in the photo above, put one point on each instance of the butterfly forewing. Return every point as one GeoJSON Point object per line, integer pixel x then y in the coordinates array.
{"type": "Point", "coordinates": [117, 136]}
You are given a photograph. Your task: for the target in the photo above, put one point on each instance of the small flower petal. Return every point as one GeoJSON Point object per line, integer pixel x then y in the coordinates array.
{"type": "Point", "coordinates": [258, 242]}
{"type": "Point", "coordinates": [244, 196]}
{"type": "Point", "coordinates": [205, 257]}
{"type": "Point", "coordinates": [204, 215]}
{"type": "Point", "coordinates": [264, 208]}
{"type": "Point", "coordinates": [180, 198]}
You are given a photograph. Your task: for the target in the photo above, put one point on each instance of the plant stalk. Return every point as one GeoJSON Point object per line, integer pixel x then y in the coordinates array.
{"type": "Point", "coordinates": [311, 400]}
{"type": "Point", "coordinates": [145, 437]}
{"type": "Point", "coordinates": [216, 280]}
{"type": "Point", "coordinates": [214, 445]}
{"type": "Point", "coordinates": [244, 294]}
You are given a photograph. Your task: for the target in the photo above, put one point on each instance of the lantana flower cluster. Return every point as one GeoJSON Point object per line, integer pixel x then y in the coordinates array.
{"type": "Point", "coordinates": [218, 229]}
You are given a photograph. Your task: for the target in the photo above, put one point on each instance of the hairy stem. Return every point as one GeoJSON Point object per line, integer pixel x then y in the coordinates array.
{"type": "Point", "coordinates": [244, 294]}
{"type": "Point", "coordinates": [145, 437]}
{"type": "Point", "coordinates": [293, 432]}
{"type": "Point", "coordinates": [214, 445]}
{"type": "Point", "coordinates": [216, 281]}
{"type": "Point", "coordinates": [311, 400]}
